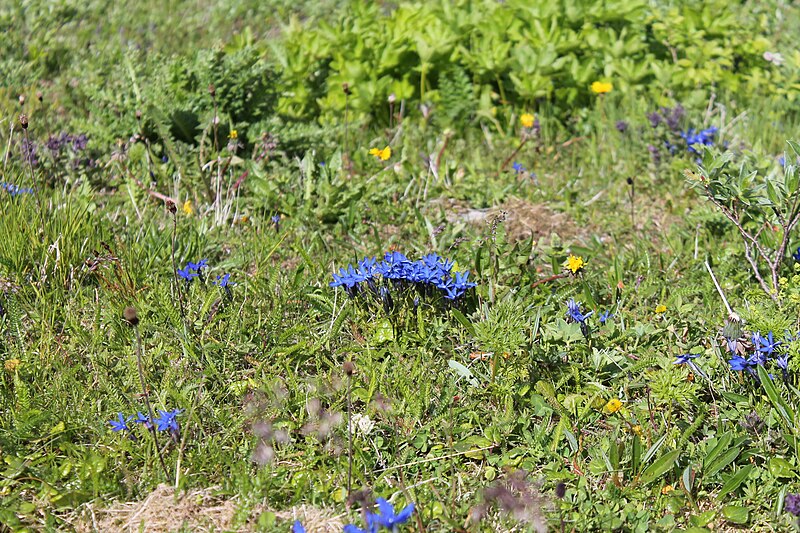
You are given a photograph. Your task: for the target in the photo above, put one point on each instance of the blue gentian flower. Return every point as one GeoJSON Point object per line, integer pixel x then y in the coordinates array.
{"type": "Point", "coordinates": [574, 311]}
{"type": "Point", "coordinates": [276, 221]}
{"type": "Point", "coordinates": [704, 137]}
{"type": "Point", "coordinates": [685, 358]}
{"type": "Point", "coordinates": [224, 281]}
{"type": "Point", "coordinates": [120, 424]}
{"type": "Point", "coordinates": [796, 255]}
{"type": "Point", "coordinates": [371, 528]}
{"type": "Point", "coordinates": [518, 168]}
{"type": "Point", "coordinates": [187, 274]}
{"type": "Point", "coordinates": [782, 361]}
{"type": "Point", "coordinates": [297, 527]}
{"type": "Point", "coordinates": [739, 363]}
{"type": "Point", "coordinates": [387, 517]}
{"type": "Point", "coordinates": [605, 316]}
{"type": "Point", "coordinates": [167, 420]}
{"type": "Point", "coordinates": [767, 345]}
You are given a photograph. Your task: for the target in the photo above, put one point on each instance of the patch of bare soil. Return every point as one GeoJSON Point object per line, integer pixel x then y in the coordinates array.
{"type": "Point", "coordinates": [197, 511]}
{"type": "Point", "coordinates": [523, 219]}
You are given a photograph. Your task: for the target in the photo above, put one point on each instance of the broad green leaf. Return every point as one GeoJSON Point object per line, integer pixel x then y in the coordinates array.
{"type": "Point", "coordinates": [786, 413]}
{"type": "Point", "coordinates": [735, 481]}
{"type": "Point", "coordinates": [736, 514]}
{"type": "Point", "coordinates": [781, 468]}
{"type": "Point", "coordinates": [661, 466]}
{"type": "Point", "coordinates": [702, 519]}
{"type": "Point", "coordinates": [722, 461]}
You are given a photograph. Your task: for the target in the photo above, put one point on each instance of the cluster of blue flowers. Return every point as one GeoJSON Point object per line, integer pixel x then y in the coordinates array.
{"type": "Point", "coordinates": [429, 273]}
{"type": "Point", "coordinates": [574, 314]}
{"type": "Point", "coordinates": [165, 422]}
{"type": "Point", "coordinates": [704, 137]}
{"type": "Point", "coordinates": [385, 518]}
{"type": "Point", "coordinates": [765, 349]}
{"type": "Point", "coordinates": [195, 270]}
{"type": "Point", "coordinates": [15, 190]}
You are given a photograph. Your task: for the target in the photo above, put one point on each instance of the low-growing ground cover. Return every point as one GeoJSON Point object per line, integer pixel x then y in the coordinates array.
{"type": "Point", "coordinates": [452, 267]}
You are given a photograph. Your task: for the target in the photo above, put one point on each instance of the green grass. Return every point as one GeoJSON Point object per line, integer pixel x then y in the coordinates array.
{"type": "Point", "coordinates": [460, 400]}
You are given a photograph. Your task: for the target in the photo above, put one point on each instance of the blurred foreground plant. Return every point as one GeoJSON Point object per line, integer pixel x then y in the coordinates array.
{"type": "Point", "coordinates": [764, 208]}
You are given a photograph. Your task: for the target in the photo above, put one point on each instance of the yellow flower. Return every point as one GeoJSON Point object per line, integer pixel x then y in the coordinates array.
{"type": "Point", "coordinates": [637, 430]}
{"type": "Point", "coordinates": [187, 207]}
{"type": "Point", "coordinates": [601, 87]}
{"type": "Point", "coordinates": [234, 134]}
{"type": "Point", "coordinates": [383, 155]}
{"type": "Point", "coordinates": [527, 120]}
{"type": "Point", "coordinates": [661, 308]}
{"type": "Point", "coordinates": [666, 489]}
{"type": "Point", "coordinates": [612, 406]}
{"type": "Point", "coordinates": [574, 263]}
{"type": "Point", "coordinates": [12, 364]}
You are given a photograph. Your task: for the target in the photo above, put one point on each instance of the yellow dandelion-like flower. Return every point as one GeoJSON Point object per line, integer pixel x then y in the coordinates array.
{"type": "Point", "coordinates": [612, 406]}
{"type": "Point", "coordinates": [661, 308]}
{"type": "Point", "coordinates": [527, 120]}
{"type": "Point", "coordinates": [187, 207]}
{"type": "Point", "coordinates": [601, 87]}
{"type": "Point", "coordinates": [11, 365]}
{"type": "Point", "coordinates": [234, 134]}
{"type": "Point", "coordinates": [666, 489]}
{"type": "Point", "coordinates": [383, 155]}
{"type": "Point", "coordinates": [574, 263]}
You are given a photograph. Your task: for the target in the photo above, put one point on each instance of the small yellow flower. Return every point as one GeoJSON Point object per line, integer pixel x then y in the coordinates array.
{"type": "Point", "coordinates": [666, 489]}
{"type": "Point", "coordinates": [12, 364]}
{"type": "Point", "coordinates": [383, 155]}
{"type": "Point", "coordinates": [234, 134]}
{"type": "Point", "coordinates": [527, 120]}
{"type": "Point", "coordinates": [661, 308]}
{"type": "Point", "coordinates": [637, 430]}
{"type": "Point", "coordinates": [574, 263]}
{"type": "Point", "coordinates": [601, 87]}
{"type": "Point", "coordinates": [612, 406]}
{"type": "Point", "coordinates": [187, 207]}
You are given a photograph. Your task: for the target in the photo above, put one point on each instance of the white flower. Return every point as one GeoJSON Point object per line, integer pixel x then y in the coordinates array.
{"type": "Point", "coordinates": [774, 57]}
{"type": "Point", "coordinates": [364, 424]}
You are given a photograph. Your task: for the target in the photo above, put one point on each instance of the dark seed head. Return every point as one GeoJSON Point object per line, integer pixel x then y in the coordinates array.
{"type": "Point", "coordinates": [630, 181]}
{"type": "Point", "coordinates": [171, 207]}
{"type": "Point", "coordinates": [212, 90]}
{"type": "Point", "coordinates": [346, 88]}
{"type": "Point", "coordinates": [130, 316]}
{"type": "Point", "coordinates": [349, 368]}
{"type": "Point", "coordinates": [23, 121]}
{"type": "Point", "coordinates": [561, 490]}
{"type": "Point", "coordinates": [138, 114]}
{"type": "Point", "coordinates": [39, 96]}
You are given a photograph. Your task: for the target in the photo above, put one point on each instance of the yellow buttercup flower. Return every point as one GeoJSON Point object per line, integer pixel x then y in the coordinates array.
{"type": "Point", "coordinates": [666, 489]}
{"type": "Point", "coordinates": [234, 134]}
{"type": "Point", "coordinates": [574, 263]}
{"type": "Point", "coordinates": [12, 364]}
{"type": "Point", "coordinates": [527, 120]}
{"type": "Point", "coordinates": [612, 406]}
{"type": "Point", "coordinates": [601, 87]}
{"type": "Point", "coordinates": [661, 308]}
{"type": "Point", "coordinates": [383, 155]}
{"type": "Point", "coordinates": [187, 207]}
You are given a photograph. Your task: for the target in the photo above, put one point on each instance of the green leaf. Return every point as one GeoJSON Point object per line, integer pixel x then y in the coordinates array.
{"type": "Point", "coordinates": [688, 479]}
{"type": "Point", "coordinates": [661, 466]}
{"type": "Point", "coordinates": [735, 481]}
{"type": "Point", "coordinates": [781, 468]}
{"type": "Point", "coordinates": [724, 460]}
{"type": "Point", "coordinates": [464, 321]}
{"type": "Point", "coordinates": [382, 332]}
{"type": "Point", "coordinates": [786, 412]}
{"type": "Point", "coordinates": [472, 445]}
{"type": "Point", "coordinates": [723, 443]}
{"type": "Point", "coordinates": [702, 519]}
{"type": "Point", "coordinates": [736, 514]}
